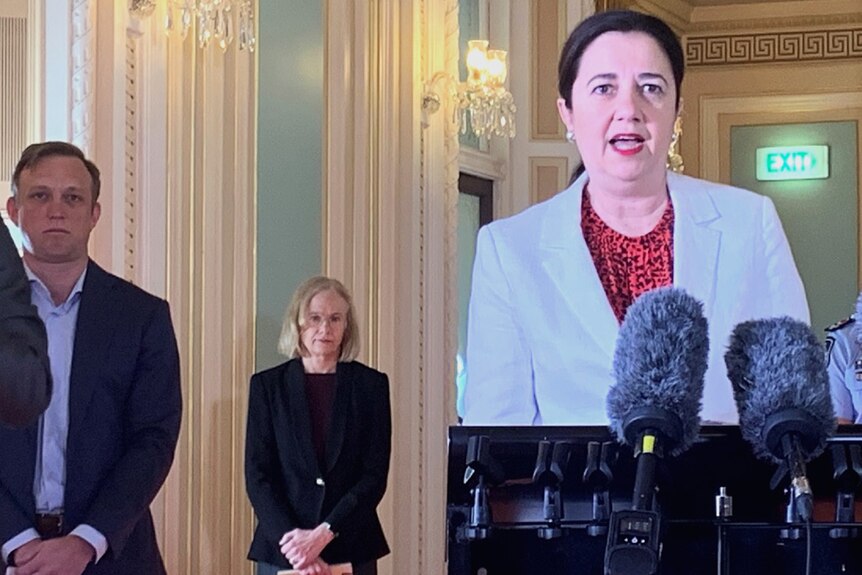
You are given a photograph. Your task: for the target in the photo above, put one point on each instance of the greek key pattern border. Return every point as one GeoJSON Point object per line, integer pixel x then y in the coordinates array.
{"type": "Point", "coordinates": [770, 47]}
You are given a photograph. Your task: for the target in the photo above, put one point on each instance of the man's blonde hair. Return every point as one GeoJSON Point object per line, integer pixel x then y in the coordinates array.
{"type": "Point", "coordinates": [290, 341]}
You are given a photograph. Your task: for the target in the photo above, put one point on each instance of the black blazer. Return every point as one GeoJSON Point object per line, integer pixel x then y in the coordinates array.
{"type": "Point", "coordinates": [285, 485]}
{"type": "Point", "coordinates": [25, 375]}
{"type": "Point", "coordinates": [124, 418]}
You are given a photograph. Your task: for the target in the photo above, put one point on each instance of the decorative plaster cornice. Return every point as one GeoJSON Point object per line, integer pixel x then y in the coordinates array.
{"type": "Point", "coordinates": [771, 47]}
{"type": "Point", "coordinates": [688, 19]}
{"type": "Point", "coordinates": [788, 23]}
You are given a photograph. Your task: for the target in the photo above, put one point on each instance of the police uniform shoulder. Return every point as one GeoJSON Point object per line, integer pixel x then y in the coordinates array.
{"type": "Point", "coordinates": [841, 324]}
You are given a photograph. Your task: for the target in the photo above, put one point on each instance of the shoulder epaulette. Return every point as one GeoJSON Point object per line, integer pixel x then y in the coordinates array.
{"type": "Point", "coordinates": [841, 323]}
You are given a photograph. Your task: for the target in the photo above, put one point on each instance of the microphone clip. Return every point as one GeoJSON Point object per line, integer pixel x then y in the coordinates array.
{"type": "Point", "coordinates": [481, 471]}
{"type": "Point", "coordinates": [598, 477]}
{"type": "Point", "coordinates": [551, 461]}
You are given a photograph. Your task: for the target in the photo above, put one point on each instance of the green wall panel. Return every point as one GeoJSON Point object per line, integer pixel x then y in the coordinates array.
{"type": "Point", "coordinates": [820, 217]}
{"type": "Point", "coordinates": [290, 108]}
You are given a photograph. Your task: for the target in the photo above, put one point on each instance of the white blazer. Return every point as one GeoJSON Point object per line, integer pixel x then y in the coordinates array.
{"type": "Point", "coordinates": [541, 332]}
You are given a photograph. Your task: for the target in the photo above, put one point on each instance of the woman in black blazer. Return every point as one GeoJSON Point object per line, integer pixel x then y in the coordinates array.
{"type": "Point", "coordinates": [318, 443]}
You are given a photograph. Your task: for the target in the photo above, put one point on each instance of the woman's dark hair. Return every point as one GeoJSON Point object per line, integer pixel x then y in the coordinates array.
{"type": "Point", "coordinates": [617, 21]}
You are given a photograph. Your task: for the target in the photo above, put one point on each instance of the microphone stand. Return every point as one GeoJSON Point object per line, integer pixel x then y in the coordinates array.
{"type": "Point", "coordinates": [480, 514]}
{"type": "Point", "coordinates": [481, 469]}
{"type": "Point", "coordinates": [723, 512]}
{"type": "Point", "coordinates": [634, 538]}
{"type": "Point", "coordinates": [550, 463]}
{"type": "Point", "coordinates": [847, 472]}
{"type": "Point", "coordinates": [792, 435]}
{"type": "Point", "coordinates": [598, 476]}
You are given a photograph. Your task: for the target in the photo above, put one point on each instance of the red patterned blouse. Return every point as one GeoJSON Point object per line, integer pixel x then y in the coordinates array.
{"type": "Point", "coordinates": [628, 266]}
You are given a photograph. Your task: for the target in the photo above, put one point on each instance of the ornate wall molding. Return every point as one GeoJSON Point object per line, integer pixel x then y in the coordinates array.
{"type": "Point", "coordinates": [384, 222]}
{"type": "Point", "coordinates": [14, 109]}
{"type": "Point", "coordinates": [786, 23]}
{"type": "Point", "coordinates": [712, 109]}
{"type": "Point", "coordinates": [130, 157]}
{"type": "Point", "coordinates": [83, 73]}
{"type": "Point", "coordinates": [772, 47]}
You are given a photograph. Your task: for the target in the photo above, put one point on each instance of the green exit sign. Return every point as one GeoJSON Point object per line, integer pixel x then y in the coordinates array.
{"type": "Point", "coordinates": [793, 163]}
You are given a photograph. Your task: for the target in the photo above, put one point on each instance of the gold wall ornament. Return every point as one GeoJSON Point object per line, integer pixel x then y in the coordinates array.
{"type": "Point", "coordinates": [141, 8]}
{"type": "Point", "coordinates": [674, 158]}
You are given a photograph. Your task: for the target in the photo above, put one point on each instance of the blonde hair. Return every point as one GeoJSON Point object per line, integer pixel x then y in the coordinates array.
{"type": "Point", "coordinates": [290, 340]}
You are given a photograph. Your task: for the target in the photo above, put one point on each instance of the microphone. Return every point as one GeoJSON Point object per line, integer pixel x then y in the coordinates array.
{"type": "Point", "coordinates": [778, 372]}
{"type": "Point", "coordinates": [659, 365]}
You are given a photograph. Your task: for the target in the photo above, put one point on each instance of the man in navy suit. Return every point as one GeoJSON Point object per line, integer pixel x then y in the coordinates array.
{"type": "Point", "coordinates": [75, 488]}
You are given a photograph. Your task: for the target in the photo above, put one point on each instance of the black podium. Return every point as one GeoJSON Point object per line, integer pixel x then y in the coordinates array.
{"type": "Point", "coordinates": [524, 500]}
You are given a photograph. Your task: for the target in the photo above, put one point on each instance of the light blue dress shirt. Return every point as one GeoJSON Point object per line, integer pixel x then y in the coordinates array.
{"type": "Point", "coordinates": [50, 478]}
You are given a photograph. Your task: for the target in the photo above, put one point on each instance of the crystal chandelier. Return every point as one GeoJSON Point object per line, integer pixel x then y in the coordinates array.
{"type": "Point", "coordinates": [214, 21]}
{"type": "Point", "coordinates": [482, 102]}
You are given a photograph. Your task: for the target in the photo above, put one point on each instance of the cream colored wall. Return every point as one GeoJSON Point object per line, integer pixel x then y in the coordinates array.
{"type": "Point", "coordinates": [541, 160]}
{"type": "Point", "coordinates": [743, 82]}
{"type": "Point", "coordinates": [768, 72]}
{"type": "Point", "coordinates": [388, 201]}
{"type": "Point", "coordinates": [13, 9]}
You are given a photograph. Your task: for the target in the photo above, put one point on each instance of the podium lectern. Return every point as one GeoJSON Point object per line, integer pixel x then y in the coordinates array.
{"type": "Point", "coordinates": [537, 500]}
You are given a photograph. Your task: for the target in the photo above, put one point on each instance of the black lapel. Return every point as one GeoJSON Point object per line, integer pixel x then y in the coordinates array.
{"type": "Point", "coordinates": [96, 319]}
{"type": "Point", "coordinates": [344, 377]}
{"type": "Point", "coordinates": [300, 419]}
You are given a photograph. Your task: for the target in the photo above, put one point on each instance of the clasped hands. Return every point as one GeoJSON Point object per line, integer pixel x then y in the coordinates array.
{"type": "Point", "coordinates": [67, 555]}
{"type": "Point", "coordinates": [302, 547]}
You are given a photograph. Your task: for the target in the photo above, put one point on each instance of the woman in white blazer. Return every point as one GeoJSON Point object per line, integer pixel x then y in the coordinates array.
{"type": "Point", "coordinates": [542, 328]}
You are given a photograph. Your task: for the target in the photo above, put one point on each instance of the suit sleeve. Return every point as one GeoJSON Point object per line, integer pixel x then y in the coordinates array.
{"type": "Point", "coordinates": [499, 388]}
{"type": "Point", "coordinates": [839, 355]}
{"type": "Point", "coordinates": [362, 499]}
{"type": "Point", "coordinates": [263, 481]}
{"type": "Point", "coordinates": [25, 377]}
{"type": "Point", "coordinates": [785, 289]}
{"type": "Point", "coordinates": [151, 422]}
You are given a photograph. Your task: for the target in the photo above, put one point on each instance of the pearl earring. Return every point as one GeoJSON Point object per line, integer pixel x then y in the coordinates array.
{"type": "Point", "coordinates": [570, 136]}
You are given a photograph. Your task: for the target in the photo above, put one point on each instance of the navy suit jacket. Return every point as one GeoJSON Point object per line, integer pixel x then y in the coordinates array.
{"type": "Point", "coordinates": [286, 486]}
{"type": "Point", "coordinates": [25, 376]}
{"type": "Point", "coordinates": [125, 407]}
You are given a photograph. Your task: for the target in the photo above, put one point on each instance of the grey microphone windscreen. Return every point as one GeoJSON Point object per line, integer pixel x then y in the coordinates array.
{"type": "Point", "coordinates": [660, 361]}
{"type": "Point", "coordinates": [777, 366]}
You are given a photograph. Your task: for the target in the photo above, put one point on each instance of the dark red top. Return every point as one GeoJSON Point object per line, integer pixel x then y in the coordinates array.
{"type": "Point", "coordinates": [627, 266]}
{"type": "Point", "coordinates": [320, 391]}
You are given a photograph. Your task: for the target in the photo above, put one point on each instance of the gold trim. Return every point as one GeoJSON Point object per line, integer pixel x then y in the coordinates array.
{"type": "Point", "coordinates": [771, 47]}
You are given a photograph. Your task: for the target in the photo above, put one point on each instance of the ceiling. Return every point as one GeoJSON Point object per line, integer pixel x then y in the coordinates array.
{"type": "Point", "coordinates": [708, 3]}
{"type": "Point", "coordinates": [706, 16]}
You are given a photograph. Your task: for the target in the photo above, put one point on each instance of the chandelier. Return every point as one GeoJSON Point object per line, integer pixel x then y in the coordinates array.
{"type": "Point", "coordinates": [482, 101]}
{"type": "Point", "coordinates": [214, 21]}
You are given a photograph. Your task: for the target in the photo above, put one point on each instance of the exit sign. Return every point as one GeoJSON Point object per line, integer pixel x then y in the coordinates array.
{"type": "Point", "coordinates": [793, 163]}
